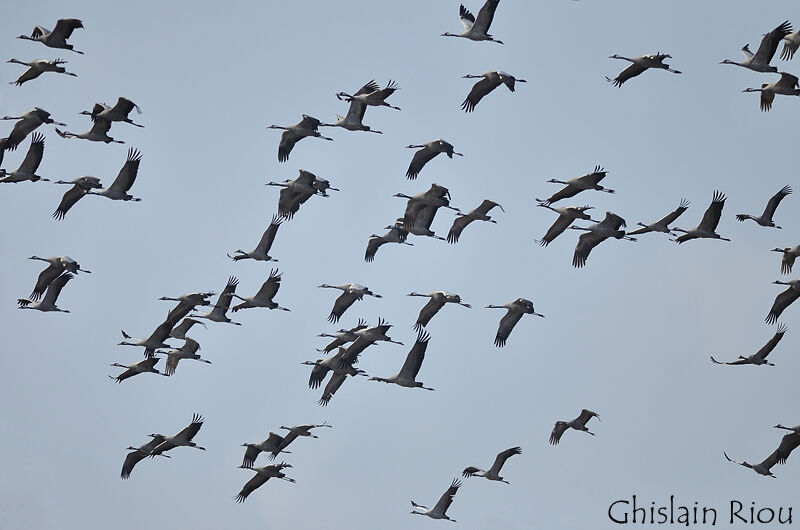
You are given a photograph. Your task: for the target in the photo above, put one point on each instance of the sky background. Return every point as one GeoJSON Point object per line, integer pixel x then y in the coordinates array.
{"type": "Point", "coordinates": [628, 336]}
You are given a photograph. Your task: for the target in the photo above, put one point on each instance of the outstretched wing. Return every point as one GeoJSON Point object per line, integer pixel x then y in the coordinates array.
{"type": "Point", "coordinates": [421, 157]}
{"type": "Point", "coordinates": [559, 429]}
{"type": "Point", "coordinates": [775, 200]}
{"type": "Point", "coordinates": [788, 444]}
{"type": "Point", "coordinates": [713, 212]}
{"type": "Point", "coordinates": [459, 224]}
{"type": "Point", "coordinates": [34, 156]}
{"type": "Point", "coordinates": [270, 287]}
{"type": "Point", "coordinates": [265, 243]}
{"type": "Point", "coordinates": [335, 382]}
{"type": "Point", "coordinates": [189, 432]}
{"type": "Point", "coordinates": [68, 200]}
{"type": "Point", "coordinates": [769, 44]}
{"type": "Point", "coordinates": [65, 27]}
{"type": "Point", "coordinates": [345, 300]}
{"type": "Point", "coordinates": [127, 175]}
{"type": "Point", "coordinates": [782, 301]}
{"type": "Point", "coordinates": [45, 277]}
{"type": "Point", "coordinates": [557, 228]}
{"type": "Point", "coordinates": [415, 356]}
{"type": "Point", "coordinates": [427, 312]}
{"type": "Point", "coordinates": [507, 324]}
{"type": "Point", "coordinates": [501, 458]}
{"type": "Point", "coordinates": [770, 345]}
{"type": "Point", "coordinates": [479, 89]}
{"type": "Point", "coordinates": [586, 243]}
{"type": "Point", "coordinates": [54, 289]}
{"type": "Point", "coordinates": [486, 15]}
{"type": "Point", "coordinates": [288, 139]}
{"type": "Point", "coordinates": [632, 71]}
{"type": "Point", "coordinates": [253, 484]}
{"type": "Point", "coordinates": [447, 498]}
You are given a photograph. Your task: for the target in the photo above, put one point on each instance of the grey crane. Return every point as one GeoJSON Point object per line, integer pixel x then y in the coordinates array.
{"type": "Point", "coordinates": [271, 445]}
{"type": "Point", "coordinates": [662, 225]}
{"type": "Point", "coordinates": [137, 454]}
{"type": "Point", "coordinates": [217, 313]}
{"type": "Point", "coordinates": [264, 296]}
{"type": "Point", "coordinates": [436, 196]}
{"type": "Point", "coordinates": [98, 133]}
{"type": "Point", "coordinates": [372, 95]}
{"type": "Point", "coordinates": [760, 357]}
{"type": "Point", "coordinates": [790, 44]}
{"type": "Point", "coordinates": [119, 112]}
{"type": "Point", "coordinates": [489, 80]}
{"type": "Point", "coordinates": [708, 225]}
{"type": "Point", "coordinates": [263, 474]}
{"type": "Point", "coordinates": [27, 169]}
{"type": "Point", "coordinates": [298, 191]}
{"type": "Point", "coordinates": [493, 473]}
{"type": "Point", "coordinates": [38, 67]}
{"type": "Point", "coordinates": [789, 443]}
{"type": "Point", "coordinates": [294, 133]}
{"type": "Point", "coordinates": [579, 424]}
{"type": "Point", "coordinates": [477, 28]}
{"type": "Point", "coordinates": [576, 185]}
{"type": "Point", "coordinates": [81, 187]}
{"type": "Point", "coordinates": [151, 343]}
{"type": "Point", "coordinates": [427, 152]}
{"type": "Point", "coordinates": [759, 62]}
{"type": "Point", "coordinates": [182, 439]}
{"type": "Point", "coordinates": [343, 336]}
{"type": "Point", "coordinates": [366, 337]}
{"type": "Point", "coordinates": [566, 215]}
{"type": "Point", "coordinates": [639, 65]}
{"type": "Point", "coordinates": [186, 304]}
{"type": "Point", "coordinates": [437, 301]}
{"type": "Point", "coordinates": [439, 511]}
{"type": "Point", "coordinates": [421, 210]}
{"type": "Point", "coordinates": [58, 37]}
{"type": "Point", "coordinates": [515, 310]}
{"type": "Point", "coordinates": [296, 431]}
{"type": "Point", "coordinates": [48, 303]}
{"type": "Point", "coordinates": [187, 351]}
{"type": "Point", "coordinates": [143, 366]}
{"type": "Point", "coordinates": [407, 376]}
{"type": "Point", "coordinates": [477, 214]}
{"type": "Point", "coordinates": [765, 219]}
{"type": "Point", "coordinates": [25, 125]}
{"type": "Point", "coordinates": [336, 363]}
{"type": "Point", "coordinates": [180, 331]}
{"type": "Point", "coordinates": [787, 85]}
{"type": "Point", "coordinates": [118, 190]}
{"type": "Point", "coordinates": [396, 234]}
{"type": "Point", "coordinates": [595, 234]}
{"type": "Point", "coordinates": [58, 264]}
{"type": "Point", "coordinates": [350, 293]}
{"type": "Point", "coordinates": [192, 299]}
{"type": "Point", "coordinates": [354, 120]}
{"type": "Point", "coordinates": [789, 255]}
{"type": "Point", "coordinates": [261, 252]}
{"type": "Point", "coordinates": [783, 300]}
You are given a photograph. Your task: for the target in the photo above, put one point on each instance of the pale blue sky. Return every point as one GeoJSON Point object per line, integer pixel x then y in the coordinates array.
{"type": "Point", "coordinates": [627, 336]}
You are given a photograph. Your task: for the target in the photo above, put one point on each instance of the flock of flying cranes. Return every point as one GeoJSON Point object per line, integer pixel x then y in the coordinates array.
{"type": "Point", "coordinates": [416, 220]}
